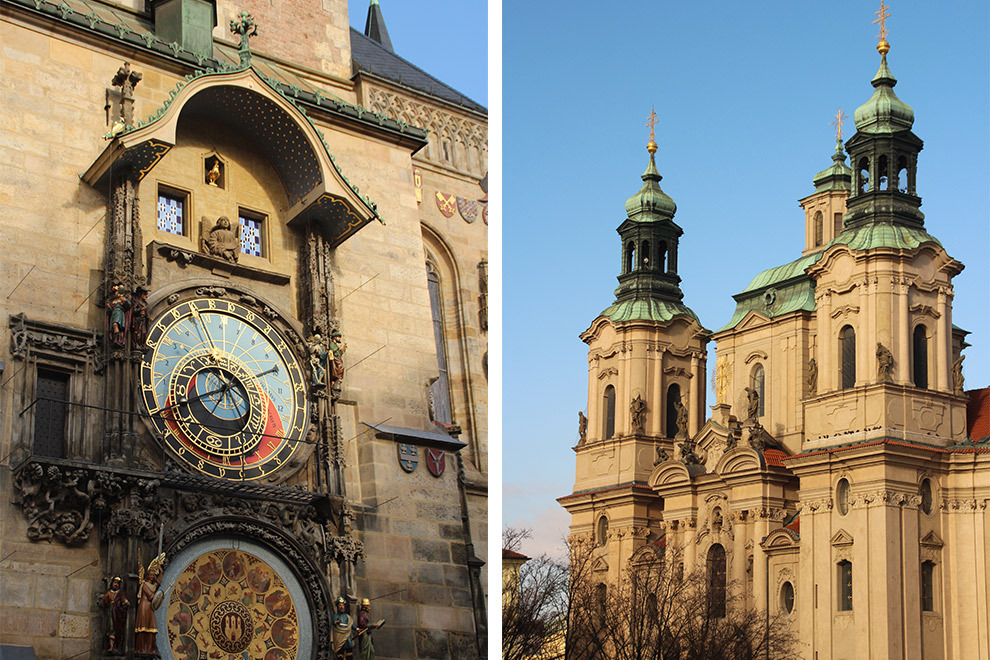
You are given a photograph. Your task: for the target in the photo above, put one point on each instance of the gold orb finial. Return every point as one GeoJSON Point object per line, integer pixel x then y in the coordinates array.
{"type": "Point", "coordinates": [651, 146]}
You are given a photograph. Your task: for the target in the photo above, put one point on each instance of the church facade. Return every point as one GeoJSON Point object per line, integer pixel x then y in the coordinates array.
{"type": "Point", "coordinates": [842, 476]}
{"type": "Point", "coordinates": [245, 377]}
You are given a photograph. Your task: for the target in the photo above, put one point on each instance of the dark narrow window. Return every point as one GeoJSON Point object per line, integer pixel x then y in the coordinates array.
{"type": "Point", "coordinates": [602, 531]}
{"type": "Point", "coordinates": [920, 357]}
{"type": "Point", "coordinates": [863, 175]}
{"type": "Point", "coordinates": [440, 388]}
{"type": "Point", "coordinates": [759, 384]}
{"type": "Point", "coordinates": [673, 397]}
{"type": "Point", "coordinates": [51, 413]}
{"type": "Point", "coordinates": [837, 220]}
{"type": "Point", "coordinates": [927, 586]}
{"type": "Point", "coordinates": [819, 228]}
{"type": "Point", "coordinates": [927, 496]}
{"type": "Point", "coordinates": [882, 172]}
{"type": "Point", "coordinates": [644, 255]}
{"type": "Point", "coordinates": [601, 597]}
{"type": "Point", "coordinates": [661, 255]}
{"type": "Point", "coordinates": [716, 581]}
{"type": "Point", "coordinates": [630, 256]}
{"type": "Point", "coordinates": [845, 586]}
{"type": "Point", "coordinates": [608, 412]}
{"type": "Point", "coordinates": [847, 357]}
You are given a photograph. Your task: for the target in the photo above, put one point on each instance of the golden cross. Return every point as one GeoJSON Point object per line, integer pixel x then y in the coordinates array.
{"type": "Point", "coordinates": [651, 121]}
{"type": "Point", "coordinates": [882, 17]}
{"type": "Point", "coordinates": [837, 122]}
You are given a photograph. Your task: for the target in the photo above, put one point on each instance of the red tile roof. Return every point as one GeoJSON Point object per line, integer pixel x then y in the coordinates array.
{"type": "Point", "coordinates": [512, 554]}
{"type": "Point", "coordinates": [774, 457]}
{"type": "Point", "coordinates": [978, 414]}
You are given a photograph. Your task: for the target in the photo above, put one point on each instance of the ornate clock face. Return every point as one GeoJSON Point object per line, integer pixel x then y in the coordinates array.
{"type": "Point", "coordinates": [224, 389]}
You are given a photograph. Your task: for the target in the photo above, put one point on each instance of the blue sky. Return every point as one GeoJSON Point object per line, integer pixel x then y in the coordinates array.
{"type": "Point", "coordinates": [744, 98]}
{"type": "Point", "coordinates": [448, 40]}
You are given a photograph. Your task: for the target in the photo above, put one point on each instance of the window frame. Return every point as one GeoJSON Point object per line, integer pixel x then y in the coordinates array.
{"type": "Point", "coordinates": [175, 192]}
{"type": "Point", "coordinates": [844, 586]}
{"type": "Point", "coordinates": [244, 212]}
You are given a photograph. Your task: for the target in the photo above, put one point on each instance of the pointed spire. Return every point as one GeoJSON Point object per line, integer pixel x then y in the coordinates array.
{"type": "Point", "coordinates": [884, 112]}
{"type": "Point", "coordinates": [374, 27]}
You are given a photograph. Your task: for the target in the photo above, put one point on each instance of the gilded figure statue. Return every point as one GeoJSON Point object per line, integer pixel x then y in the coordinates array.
{"type": "Point", "coordinates": [366, 648]}
{"type": "Point", "coordinates": [117, 306]}
{"type": "Point", "coordinates": [145, 627]}
{"type": "Point", "coordinates": [340, 634]}
{"type": "Point", "coordinates": [115, 602]}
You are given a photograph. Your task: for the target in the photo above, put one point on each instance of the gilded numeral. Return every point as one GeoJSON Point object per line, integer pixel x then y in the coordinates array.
{"type": "Point", "coordinates": [213, 304]}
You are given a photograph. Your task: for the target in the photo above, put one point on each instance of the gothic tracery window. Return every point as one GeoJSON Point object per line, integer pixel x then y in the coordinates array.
{"type": "Point", "coordinates": [440, 388]}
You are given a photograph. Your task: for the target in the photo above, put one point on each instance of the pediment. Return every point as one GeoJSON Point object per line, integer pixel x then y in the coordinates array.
{"type": "Point", "coordinates": [753, 319]}
{"type": "Point", "coordinates": [740, 461]}
{"type": "Point", "coordinates": [842, 537]}
{"type": "Point", "coordinates": [780, 539]}
{"type": "Point", "coordinates": [669, 473]}
{"type": "Point", "coordinates": [599, 565]}
{"type": "Point", "coordinates": [932, 539]}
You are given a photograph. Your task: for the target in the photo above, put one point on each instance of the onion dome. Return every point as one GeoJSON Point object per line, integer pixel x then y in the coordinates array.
{"type": "Point", "coordinates": [884, 112]}
{"type": "Point", "coordinates": [650, 203]}
{"type": "Point", "coordinates": [836, 177]}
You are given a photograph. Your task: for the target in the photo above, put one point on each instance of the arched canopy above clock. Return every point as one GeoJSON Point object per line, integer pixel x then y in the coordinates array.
{"type": "Point", "coordinates": [314, 184]}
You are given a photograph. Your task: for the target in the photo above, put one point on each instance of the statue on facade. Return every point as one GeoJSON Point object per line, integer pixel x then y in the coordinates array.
{"type": "Point", "coordinates": [340, 634]}
{"type": "Point", "coordinates": [115, 602]}
{"type": "Point", "coordinates": [662, 456]}
{"type": "Point", "coordinates": [335, 351]}
{"type": "Point", "coordinates": [637, 411]}
{"type": "Point", "coordinates": [957, 376]}
{"type": "Point", "coordinates": [688, 457]}
{"type": "Point", "coordinates": [366, 647]}
{"type": "Point", "coordinates": [317, 360]}
{"type": "Point", "coordinates": [139, 319]}
{"type": "Point", "coordinates": [752, 403]}
{"type": "Point", "coordinates": [222, 240]}
{"type": "Point", "coordinates": [885, 361]}
{"type": "Point", "coordinates": [682, 418]}
{"type": "Point", "coordinates": [117, 306]}
{"type": "Point", "coordinates": [145, 627]}
{"type": "Point", "coordinates": [812, 376]}
{"type": "Point", "coordinates": [582, 428]}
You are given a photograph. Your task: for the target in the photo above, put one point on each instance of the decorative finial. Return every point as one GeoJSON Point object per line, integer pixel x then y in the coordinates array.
{"type": "Point", "coordinates": [839, 119]}
{"type": "Point", "coordinates": [246, 27]}
{"type": "Point", "coordinates": [882, 46]}
{"type": "Point", "coordinates": [651, 121]}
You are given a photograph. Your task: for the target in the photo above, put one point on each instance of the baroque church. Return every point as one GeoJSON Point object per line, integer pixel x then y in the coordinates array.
{"type": "Point", "coordinates": [842, 476]}
{"type": "Point", "coordinates": [244, 388]}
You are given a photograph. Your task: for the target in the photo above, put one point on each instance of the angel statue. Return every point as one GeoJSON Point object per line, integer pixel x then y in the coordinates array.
{"type": "Point", "coordinates": [222, 240]}
{"type": "Point", "coordinates": [149, 599]}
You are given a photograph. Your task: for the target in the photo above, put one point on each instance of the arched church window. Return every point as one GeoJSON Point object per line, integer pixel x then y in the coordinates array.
{"type": "Point", "coordinates": [819, 228]}
{"type": "Point", "coordinates": [608, 412]}
{"type": "Point", "coordinates": [602, 532]}
{"type": "Point", "coordinates": [902, 182]}
{"type": "Point", "coordinates": [927, 586]}
{"type": "Point", "coordinates": [673, 398]}
{"type": "Point", "coordinates": [927, 496]}
{"type": "Point", "coordinates": [919, 356]}
{"type": "Point", "coordinates": [882, 173]}
{"type": "Point", "coordinates": [440, 388]}
{"type": "Point", "coordinates": [630, 257]}
{"type": "Point", "coordinates": [837, 222]}
{"type": "Point", "coordinates": [847, 357]}
{"type": "Point", "coordinates": [716, 580]}
{"type": "Point", "coordinates": [661, 256]}
{"type": "Point", "coordinates": [863, 175]}
{"type": "Point", "coordinates": [644, 255]}
{"type": "Point", "coordinates": [845, 577]}
{"type": "Point", "coordinates": [758, 384]}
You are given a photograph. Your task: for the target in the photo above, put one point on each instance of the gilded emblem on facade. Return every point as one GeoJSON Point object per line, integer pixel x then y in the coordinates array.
{"type": "Point", "coordinates": [231, 602]}
{"type": "Point", "coordinates": [446, 204]}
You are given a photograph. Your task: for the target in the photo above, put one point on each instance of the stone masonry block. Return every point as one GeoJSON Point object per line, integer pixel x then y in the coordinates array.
{"type": "Point", "coordinates": [18, 588]}
{"type": "Point", "coordinates": [455, 576]}
{"type": "Point", "coordinates": [73, 625]}
{"type": "Point", "coordinates": [431, 644]}
{"type": "Point", "coordinates": [430, 573]}
{"type": "Point", "coordinates": [463, 646]}
{"type": "Point", "coordinates": [425, 594]}
{"type": "Point", "coordinates": [452, 532]}
{"type": "Point", "coordinates": [446, 618]}
{"type": "Point", "coordinates": [460, 597]}
{"type": "Point", "coordinates": [50, 591]}
{"type": "Point", "coordinates": [433, 551]}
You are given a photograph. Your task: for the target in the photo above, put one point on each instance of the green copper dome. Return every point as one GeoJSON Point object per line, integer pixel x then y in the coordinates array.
{"type": "Point", "coordinates": [884, 112]}
{"type": "Point", "coordinates": [836, 177]}
{"type": "Point", "coordinates": [650, 203]}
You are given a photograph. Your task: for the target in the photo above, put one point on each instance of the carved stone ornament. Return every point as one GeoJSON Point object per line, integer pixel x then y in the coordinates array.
{"type": "Point", "coordinates": [637, 411]}
{"type": "Point", "coordinates": [221, 239]}
{"type": "Point", "coordinates": [27, 335]}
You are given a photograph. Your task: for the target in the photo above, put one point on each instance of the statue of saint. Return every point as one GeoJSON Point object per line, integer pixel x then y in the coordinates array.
{"type": "Point", "coordinates": [340, 634]}
{"type": "Point", "coordinates": [637, 410]}
{"type": "Point", "coordinates": [145, 627]}
{"type": "Point", "coordinates": [317, 359]}
{"type": "Point", "coordinates": [366, 648]}
{"type": "Point", "coordinates": [885, 361]}
{"type": "Point", "coordinates": [116, 603]}
{"type": "Point", "coordinates": [582, 428]}
{"type": "Point", "coordinates": [957, 376]}
{"type": "Point", "coordinates": [812, 376]}
{"type": "Point", "coordinates": [682, 418]}
{"type": "Point", "coordinates": [752, 403]}
{"type": "Point", "coordinates": [117, 306]}
{"type": "Point", "coordinates": [336, 350]}
{"type": "Point", "coordinates": [223, 241]}
{"type": "Point", "coordinates": [139, 319]}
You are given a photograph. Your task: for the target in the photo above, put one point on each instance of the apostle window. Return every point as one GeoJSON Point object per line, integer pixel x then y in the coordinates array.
{"type": "Point", "coordinates": [608, 412]}
{"type": "Point", "coordinates": [172, 208]}
{"type": "Point", "coordinates": [845, 575]}
{"type": "Point", "coordinates": [919, 357]}
{"type": "Point", "coordinates": [252, 232]}
{"type": "Point", "coordinates": [847, 357]}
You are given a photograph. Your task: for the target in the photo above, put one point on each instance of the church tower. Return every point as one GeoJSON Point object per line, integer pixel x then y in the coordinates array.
{"type": "Point", "coordinates": [646, 382]}
{"type": "Point", "coordinates": [824, 208]}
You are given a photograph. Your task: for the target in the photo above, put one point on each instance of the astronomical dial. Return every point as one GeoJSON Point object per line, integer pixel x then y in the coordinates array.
{"type": "Point", "coordinates": [224, 389]}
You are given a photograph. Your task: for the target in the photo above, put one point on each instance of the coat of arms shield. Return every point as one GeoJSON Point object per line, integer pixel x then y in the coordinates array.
{"type": "Point", "coordinates": [408, 456]}
{"type": "Point", "coordinates": [436, 461]}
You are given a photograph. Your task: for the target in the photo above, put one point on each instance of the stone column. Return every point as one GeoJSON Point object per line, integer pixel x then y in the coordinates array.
{"type": "Point", "coordinates": [696, 387]}
{"type": "Point", "coordinates": [827, 367]}
{"type": "Point", "coordinates": [903, 363]}
{"type": "Point", "coordinates": [943, 341]}
{"type": "Point", "coordinates": [658, 399]}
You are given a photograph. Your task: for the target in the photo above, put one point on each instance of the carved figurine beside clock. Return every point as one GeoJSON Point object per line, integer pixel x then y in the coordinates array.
{"type": "Point", "coordinates": [224, 390]}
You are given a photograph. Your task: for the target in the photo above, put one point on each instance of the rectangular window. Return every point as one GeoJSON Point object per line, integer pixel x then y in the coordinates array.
{"type": "Point", "coordinates": [51, 413]}
{"type": "Point", "coordinates": [927, 586]}
{"type": "Point", "coordinates": [172, 211]}
{"type": "Point", "coordinates": [838, 223]}
{"type": "Point", "coordinates": [845, 586]}
{"type": "Point", "coordinates": [252, 238]}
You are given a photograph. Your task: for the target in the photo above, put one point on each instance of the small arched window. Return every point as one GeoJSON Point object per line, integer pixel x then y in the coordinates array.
{"type": "Point", "coordinates": [759, 385]}
{"type": "Point", "coordinates": [630, 257]}
{"type": "Point", "coordinates": [716, 580]}
{"type": "Point", "coordinates": [863, 175]}
{"type": "Point", "coordinates": [819, 228]}
{"type": "Point", "coordinates": [601, 533]}
{"type": "Point", "coordinates": [644, 255]}
{"type": "Point", "coordinates": [661, 256]}
{"type": "Point", "coordinates": [882, 173]}
{"type": "Point", "coordinates": [845, 577]}
{"type": "Point", "coordinates": [673, 398]}
{"type": "Point", "coordinates": [847, 357]}
{"type": "Point", "coordinates": [902, 182]}
{"type": "Point", "coordinates": [608, 412]}
{"type": "Point", "coordinates": [837, 222]}
{"type": "Point", "coordinates": [919, 357]}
